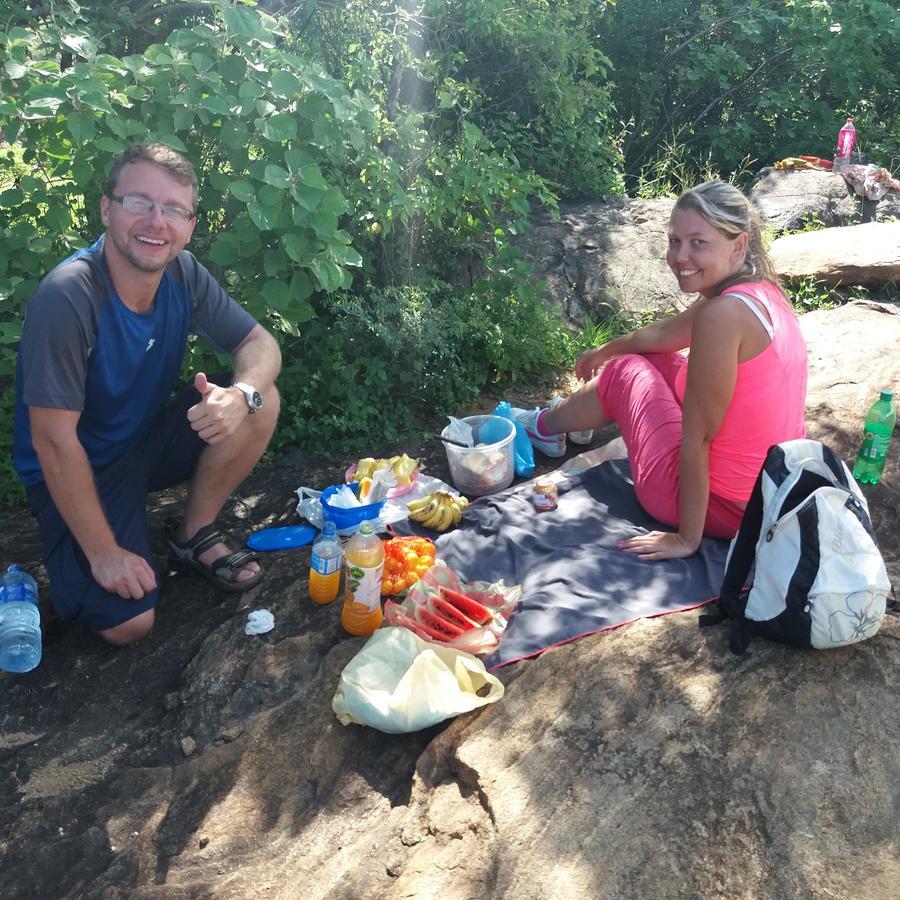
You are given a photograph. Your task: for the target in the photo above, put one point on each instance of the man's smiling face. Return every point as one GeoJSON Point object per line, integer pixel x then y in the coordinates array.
{"type": "Point", "coordinates": [147, 242]}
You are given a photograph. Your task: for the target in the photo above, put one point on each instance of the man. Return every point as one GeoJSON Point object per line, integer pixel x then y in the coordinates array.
{"type": "Point", "coordinates": [102, 346]}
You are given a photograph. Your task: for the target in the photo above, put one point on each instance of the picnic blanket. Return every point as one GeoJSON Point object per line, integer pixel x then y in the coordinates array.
{"type": "Point", "coordinates": [575, 580]}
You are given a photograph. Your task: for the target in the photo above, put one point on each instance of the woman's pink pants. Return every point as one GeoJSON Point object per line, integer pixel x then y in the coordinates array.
{"type": "Point", "coordinates": [638, 393]}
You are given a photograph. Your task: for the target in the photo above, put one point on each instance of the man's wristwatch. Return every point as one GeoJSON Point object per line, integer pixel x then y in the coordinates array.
{"type": "Point", "coordinates": [251, 395]}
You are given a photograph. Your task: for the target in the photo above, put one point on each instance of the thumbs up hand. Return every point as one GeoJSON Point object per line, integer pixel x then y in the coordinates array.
{"type": "Point", "coordinates": [202, 385]}
{"type": "Point", "coordinates": [219, 413]}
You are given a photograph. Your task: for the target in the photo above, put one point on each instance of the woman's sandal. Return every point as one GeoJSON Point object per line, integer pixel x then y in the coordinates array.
{"type": "Point", "coordinates": [221, 572]}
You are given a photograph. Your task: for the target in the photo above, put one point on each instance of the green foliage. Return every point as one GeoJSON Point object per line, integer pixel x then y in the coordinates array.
{"type": "Point", "coordinates": [530, 75]}
{"type": "Point", "coordinates": [807, 294]}
{"type": "Point", "coordinates": [772, 79]}
{"type": "Point", "coordinates": [311, 190]}
{"type": "Point", "coordinates": [391, 354]}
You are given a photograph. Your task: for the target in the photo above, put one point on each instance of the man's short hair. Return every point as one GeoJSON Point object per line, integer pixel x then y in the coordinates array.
{"type": "Point", "coordinates": [166, 158]}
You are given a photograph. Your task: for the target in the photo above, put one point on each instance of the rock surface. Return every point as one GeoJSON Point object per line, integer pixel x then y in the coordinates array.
{"type": "Point", "coordinates": [857, 254]}
{"type": "Point", "coordinates": [608, 256]}
{"type": "Point", "coordinates": [644, 762]}
{"type": "Point", "coordinates": [790, 200]}
{"type": "Point", "coordinates": [605, 257]}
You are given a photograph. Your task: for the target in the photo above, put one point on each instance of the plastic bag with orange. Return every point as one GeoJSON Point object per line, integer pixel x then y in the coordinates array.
{"type": "Point", "coordinates": [406, 560]}
{"type": "Point", "coordinates": [441, 608]}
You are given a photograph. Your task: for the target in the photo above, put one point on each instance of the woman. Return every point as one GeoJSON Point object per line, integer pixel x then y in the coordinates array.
{"type": "Point", "coordinates": [697, 429]}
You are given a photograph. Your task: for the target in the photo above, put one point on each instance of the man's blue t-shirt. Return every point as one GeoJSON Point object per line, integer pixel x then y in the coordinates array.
{"type": "Point", "coordinates": [82, 349]}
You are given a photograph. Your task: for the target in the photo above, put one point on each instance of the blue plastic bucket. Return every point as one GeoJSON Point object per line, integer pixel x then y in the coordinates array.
{"type": "Point", "coordinates": [348, 518]}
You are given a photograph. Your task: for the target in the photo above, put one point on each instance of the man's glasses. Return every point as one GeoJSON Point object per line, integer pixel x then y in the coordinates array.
{"type": "Point", "coordinates": [141, 206]}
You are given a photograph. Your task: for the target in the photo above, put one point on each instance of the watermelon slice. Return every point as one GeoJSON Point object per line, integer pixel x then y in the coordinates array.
{"type": "Point", "coordinates": [449, 612]}
{"type": "Point", "coordinates": [470, 608]}
{"type": "Point", "coordinates": [450, 632]}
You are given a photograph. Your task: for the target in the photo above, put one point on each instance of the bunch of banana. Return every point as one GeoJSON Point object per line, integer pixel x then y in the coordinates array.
{"type": "Point", "coordinates": [438, 511]}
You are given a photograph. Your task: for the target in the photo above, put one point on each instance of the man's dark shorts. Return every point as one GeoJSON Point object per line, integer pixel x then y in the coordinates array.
{"type": "Point", "coordinates": [166, 455]}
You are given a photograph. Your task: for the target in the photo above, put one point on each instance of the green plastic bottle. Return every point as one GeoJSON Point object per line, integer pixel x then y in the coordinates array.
{"type": "Point", "coordinates": [877, 436]}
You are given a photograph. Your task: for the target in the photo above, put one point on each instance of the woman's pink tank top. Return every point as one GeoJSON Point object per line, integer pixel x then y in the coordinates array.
{"type": "Point", "coordinates": [769, 401]}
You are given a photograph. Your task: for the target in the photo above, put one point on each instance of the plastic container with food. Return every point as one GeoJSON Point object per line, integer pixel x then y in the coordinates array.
{"type": "Point", "coordinates": [489, 466]}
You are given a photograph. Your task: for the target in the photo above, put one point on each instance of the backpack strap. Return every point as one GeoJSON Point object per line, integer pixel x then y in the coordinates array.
{"type": "Point", "coordinates": [732, 598]}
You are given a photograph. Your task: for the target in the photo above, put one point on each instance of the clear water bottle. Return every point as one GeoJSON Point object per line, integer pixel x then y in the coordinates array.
{"type": "Point", "coordinates": [325, 567]}
{"type": "Point", "coordinates": [20, 622]}
{"type": "Point", "coordinates": [876, 437]}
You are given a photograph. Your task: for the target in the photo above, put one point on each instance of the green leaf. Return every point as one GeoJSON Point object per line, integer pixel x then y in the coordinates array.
{"type": "Point", "coordinates": [249, 90]}
{"type": "Point", "coordinates": [80, 44]}
{"type": "Point", "coordinates": [116, 125]}
{"type": "Point", "coordinates": [325, 224]}
{"type": "Point", "coordinates": [277, 177]}
{"type": "Point", "coordinates": [277, 293]}
{"type": "Point", "coordinates": [270, 195]}
{"type": "Point", "coordinates": [263, 216]}
{"type": "Point", "coordinates": [296, 247]}
{"type": "Point", "coordinates": [202, 62]}
{"type": "Point", "coordinates": [80, 126]}
{"type": "Point", "coordinates": [308, 198]}
{"type": "Point", "coordinates": [296, 159]}
{"type": "Point", "coordinates": [311, 176]}
{"type": "Point", "coordinates": [334, 202]}
{"type": "Point", "coordinates": [215, 105]}
{"type": "Point", "coordinates": [110, 145]}
{"type": "Point", "coordinates": [328, 274]}
{"type": "Point", "coordinates": [243, 190]}
{"type": "Point", "coordinates": [170, 140]}
{"type": "Point", "coordinates": [11, 198]}
{"type": "Point", "coordinates": [242, 21]}
{"type": "Point", "coordinates": [234, 69]}
{"type": "Point", "coordinates": [224, 250]}
{"type": "Point", "coordinates": [182, 118]}
{"type": "Point", "coordinates": [301, 287]}
{"type": "Point", "coordinates": [345, 255]}
{"type": "Point", "coordinates": [15, 70]}
{"type": "Point", "coordinates": [280, 127]}
{"type": "Point", "coordinates": [284, 84]}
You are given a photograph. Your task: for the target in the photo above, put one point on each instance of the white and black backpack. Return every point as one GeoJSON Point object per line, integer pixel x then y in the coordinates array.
{"type": "Point", "coordinates": [819, 578]}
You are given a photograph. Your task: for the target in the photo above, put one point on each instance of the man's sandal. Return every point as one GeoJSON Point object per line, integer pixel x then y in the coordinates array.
{"type": "Point", "coordinates": [221, 572]}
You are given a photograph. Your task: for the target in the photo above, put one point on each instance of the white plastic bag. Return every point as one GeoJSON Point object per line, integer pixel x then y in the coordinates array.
{"type": "Point", "coordinates": [399, 683]}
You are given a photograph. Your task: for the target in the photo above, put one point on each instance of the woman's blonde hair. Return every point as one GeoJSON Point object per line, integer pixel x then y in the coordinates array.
{"type": "Point", "coordinates": [729, 211]}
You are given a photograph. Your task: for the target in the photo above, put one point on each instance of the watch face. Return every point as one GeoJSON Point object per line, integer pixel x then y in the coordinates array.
{"type": "Point", "coordinates": [255, 400]}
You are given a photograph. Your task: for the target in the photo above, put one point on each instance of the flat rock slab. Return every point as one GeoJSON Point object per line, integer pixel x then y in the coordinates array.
{"type": "Point", "coordinates": [856, 254]}
{"type": "Point", "coordinates": [640, 763]}
{"type": "Point", "coordinates": [790, 200]}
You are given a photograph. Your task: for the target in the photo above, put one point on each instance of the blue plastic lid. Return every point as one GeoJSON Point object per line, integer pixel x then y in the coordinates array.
{"type": "Point", "coordinates": [284, 538]}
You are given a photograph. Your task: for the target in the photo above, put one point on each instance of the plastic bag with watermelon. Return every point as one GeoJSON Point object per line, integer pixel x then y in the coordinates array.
{"type": "Point", "coordinates": [465, 616]}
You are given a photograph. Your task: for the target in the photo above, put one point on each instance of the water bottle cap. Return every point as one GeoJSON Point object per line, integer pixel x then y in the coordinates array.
{"type": "Point", "coordinates": [887, 395]}
{"type": "Point", "coordinates": [329, 529]}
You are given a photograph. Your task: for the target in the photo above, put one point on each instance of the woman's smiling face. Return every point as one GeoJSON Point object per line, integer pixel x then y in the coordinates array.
{"type": "Point", "coordinates": [701, 256]}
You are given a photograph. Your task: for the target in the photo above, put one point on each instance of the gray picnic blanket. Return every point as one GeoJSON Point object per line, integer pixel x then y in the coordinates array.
{"type": "Point", "coordinates": [575, 580]}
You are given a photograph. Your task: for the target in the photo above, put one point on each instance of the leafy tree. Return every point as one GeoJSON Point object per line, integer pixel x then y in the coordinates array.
{"type": "Point", "coordinates": [771, 78]}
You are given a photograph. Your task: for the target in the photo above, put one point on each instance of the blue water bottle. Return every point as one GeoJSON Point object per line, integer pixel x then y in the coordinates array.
{"type": "Point", "coordinates": [20, 622]}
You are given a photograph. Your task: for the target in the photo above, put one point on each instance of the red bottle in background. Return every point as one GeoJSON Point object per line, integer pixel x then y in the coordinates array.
{"type": "Point", "coordinates": [846, 139]}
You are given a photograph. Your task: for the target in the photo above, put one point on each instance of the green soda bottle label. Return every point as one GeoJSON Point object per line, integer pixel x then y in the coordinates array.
{"type": "Point", "coordinates": [875, 446]}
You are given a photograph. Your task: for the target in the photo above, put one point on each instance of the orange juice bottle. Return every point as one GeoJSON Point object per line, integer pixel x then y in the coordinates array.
{"type": "Point", "coordinates": [325, 566]}
{"type": "Point", "coordinates": [364, 569]}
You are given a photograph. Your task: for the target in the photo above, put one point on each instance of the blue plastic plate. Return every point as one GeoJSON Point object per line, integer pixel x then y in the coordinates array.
{"type": "Point", "coordinates": [282, 538]}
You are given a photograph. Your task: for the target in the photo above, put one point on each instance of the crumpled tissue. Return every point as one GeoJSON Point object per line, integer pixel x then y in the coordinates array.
{"type": "Point", "coordinates": [260, 621]}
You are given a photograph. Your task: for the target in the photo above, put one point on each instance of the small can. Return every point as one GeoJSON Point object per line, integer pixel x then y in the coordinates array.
{"type": "Point", "coordinates": [544, 495]}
